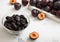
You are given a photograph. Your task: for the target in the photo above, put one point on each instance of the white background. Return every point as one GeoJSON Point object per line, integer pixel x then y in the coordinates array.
{"type": "Point", "coordinates": [49, 30]}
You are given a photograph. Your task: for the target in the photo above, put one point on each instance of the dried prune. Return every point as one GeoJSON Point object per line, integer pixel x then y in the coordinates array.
{"type": "Point", "coordinates": [17, 18]}
{"type": "Point", "coordinates": [16, 22]}
{"type": "Point", "coordinates": [25, 25]}
{"type": "Point", "coordinates": [14, 26]}
{"type": "Point", "coordinates": [9, 18]}
{"type": "Point", "coordinates": [8, 25]}
{"type": "Point", "coordinates": [22, 21]}
{"type": "Point", "coordinates": [22, 16]}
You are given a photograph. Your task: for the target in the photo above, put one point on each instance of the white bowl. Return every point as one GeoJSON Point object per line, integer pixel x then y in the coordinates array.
{"type": "Point", "coordinates": [11, 31]}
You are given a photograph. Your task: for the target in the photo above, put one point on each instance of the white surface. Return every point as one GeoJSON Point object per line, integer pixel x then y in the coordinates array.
{"type": "Point", "coordinates": [48, 29]}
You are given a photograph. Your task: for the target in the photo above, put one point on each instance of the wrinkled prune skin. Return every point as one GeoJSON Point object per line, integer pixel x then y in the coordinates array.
{"type": "Point", "coordinates": [16, 22]}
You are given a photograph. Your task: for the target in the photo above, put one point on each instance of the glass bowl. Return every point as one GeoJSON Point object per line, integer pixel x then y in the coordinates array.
{"type": "Point", "coordinates": [12, 31]}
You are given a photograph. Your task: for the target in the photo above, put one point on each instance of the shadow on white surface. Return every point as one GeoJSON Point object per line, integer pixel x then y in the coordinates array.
{"type": "Point", "coordinates": [6, 37]}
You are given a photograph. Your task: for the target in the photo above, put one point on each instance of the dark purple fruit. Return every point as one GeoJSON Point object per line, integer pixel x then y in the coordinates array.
{"type": "Point", "coordinates": [58, 13]}
{"type": "Point", "coordinates": [57, 5]}
{"type": "Point", "coordinates": [47, 8]}
{"type": "Point", "coordinates": [50, 0]}
{"type": "Point", "coordinates": [54, 1]}
{"type": "Point", "coordinates": [14, 16]}
{"type": "Point", "coordinates": [22, 21]}
{"type": "Point", "coordinates": [19, 28]}
{"type": "Point", "coordinates": [8, 25]}
{"type": "Point", "coordinates": [33, 2]}
{"type": "Point", "coordinates": [16, 22]}
{"type": "Point", "coordinates": [25, 25]}
{"type": "Point", "coordinates": [9, 18]}
{"type": "Point", "coordinates": [17, 6]}
{"type": "Point", "coordinates": [53, 12]}
{"type": "Point", "coordinates": [50, 4]}
{"type": "Point", "coordinates": [14, 26]}
{"type": "Point", "coordinates": [34, 12]}
{"type": "Point", "coordinates": [22, 16]}
{"type": "Point", "coordinates": [44, 3]}
{"type": "Point", "coordinates": [26, 21]}
{"type": "Point", "coordinates": [17, 18]}
{"type": "Point", "coordinates": [38, 5]}
{"type": "Point", "coordinates": [24, 2]}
